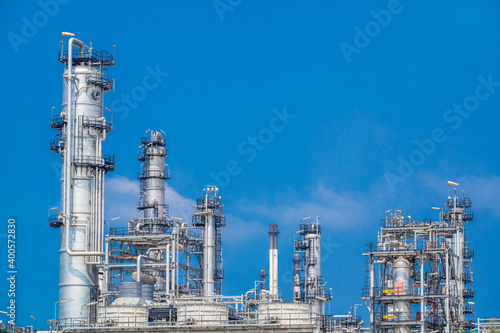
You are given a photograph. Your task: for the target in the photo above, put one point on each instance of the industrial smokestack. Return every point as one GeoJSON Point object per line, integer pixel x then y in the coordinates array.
{"type": "Point", "coordinates": [263, 278]}
{"type": "Point", "coordinates": [273, 260]}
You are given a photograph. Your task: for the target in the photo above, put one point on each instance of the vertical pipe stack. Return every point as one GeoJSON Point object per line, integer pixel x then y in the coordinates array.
{"type": "Point", "coordinates": [82, 130]}
{"type": "Point", "coordinates": [273, 260]}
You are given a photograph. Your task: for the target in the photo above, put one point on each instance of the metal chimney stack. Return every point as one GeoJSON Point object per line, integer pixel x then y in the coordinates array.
{"type": "Point", "coordinates": [273, 260]}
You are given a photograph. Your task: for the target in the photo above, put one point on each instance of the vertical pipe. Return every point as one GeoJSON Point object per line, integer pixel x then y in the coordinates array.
{"type": "Point", "coordinates": [422, 305]}
{"type": "Point", "coordinates": [209, 255]}
{"type": "Point", "coordinates": [167, 272]}
{"type": "Point", "coordinates": [447, 302]}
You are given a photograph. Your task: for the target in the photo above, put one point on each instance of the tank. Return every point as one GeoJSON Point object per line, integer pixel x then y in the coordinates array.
{"type": "Point", "coordinates": [130, 289]}
{"type": "Point", "coordinates": [148, 292]}
{"type": "Point", "coordinates": [202, 314]}
{"type": "Point", "coordinates": [123, 316]}
{"type": "Point", "coordinates": [285, 313]}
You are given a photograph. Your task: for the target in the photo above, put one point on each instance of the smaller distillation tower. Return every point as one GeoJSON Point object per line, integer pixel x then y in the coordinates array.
{"type": "Point", "coordinates": [154, 172]}
{"type": "Point", "coordinates": [309, 286]}
{"type": "Point", "coordinates": [208, 215]}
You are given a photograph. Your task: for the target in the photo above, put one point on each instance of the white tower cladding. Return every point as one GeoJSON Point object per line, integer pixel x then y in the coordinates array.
{"type": "Point", "coordinates": [273, 260]}
{"type": "Point", "coordinates": [208, 215]}
{"type": "Point", "coordinates": [82, 130]}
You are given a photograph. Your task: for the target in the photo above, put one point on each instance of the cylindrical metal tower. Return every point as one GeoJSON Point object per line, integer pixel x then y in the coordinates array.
{"type": "Point", "coordinates": [401, 278]}
{"type": "Point", "coordinates": [309, 288]}
{"type": "Point", "coordinates": [314, 281]}
{"type": "Point", "coordinates": [152, 178]}
{"type": "Point", "coordinates": [208, 215]}
{"type": "Point", "coordinates": [83, 129]}
{"type": "Point", "coordinates": [273, 260]}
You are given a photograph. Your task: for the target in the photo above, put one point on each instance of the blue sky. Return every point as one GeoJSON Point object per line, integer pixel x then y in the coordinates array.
{"type": "Point", "coordinates": [386, 100]}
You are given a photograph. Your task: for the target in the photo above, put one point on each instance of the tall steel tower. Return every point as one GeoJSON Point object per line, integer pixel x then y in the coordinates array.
{"type": "Point", "coordinates": [152, 177]}
{"type": "Point", "coordinates": [309, 280]}
{"type": "Point", "coordinates": [208, 215]}
{"type": "Point", "coordinates": [82, 129]}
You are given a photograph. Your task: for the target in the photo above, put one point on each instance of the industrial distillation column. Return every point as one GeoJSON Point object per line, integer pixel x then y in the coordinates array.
{"type": "Point", "coordinates": [152, 179]}
{"type": "Point", "coordinates": [310, 288]}
{"type": "Point", "coordinates": [83, 128]}
{"type": "Point", "coordinates": [208, 214]}
{"type": "Point", "coordinates": [273, 260]}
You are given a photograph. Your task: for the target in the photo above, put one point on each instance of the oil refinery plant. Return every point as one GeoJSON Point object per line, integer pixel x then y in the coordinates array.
{"type": "Point", "coordinates": [163, 274]}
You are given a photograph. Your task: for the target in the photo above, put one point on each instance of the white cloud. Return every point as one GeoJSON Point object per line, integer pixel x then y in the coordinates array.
{"type": "Point", "coordinates": [239, 230]}
{"type": "Point", "coordinates": [121, 200]}
{"type": "Point", "coordinates": [339, 210]}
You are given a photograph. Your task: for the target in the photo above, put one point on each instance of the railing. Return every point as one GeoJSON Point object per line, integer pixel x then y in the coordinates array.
{"type": "Point", "coordinates": [468, 215]}
{"type": "Point", "coordinates": [468, 252]}
{"type": "Point", "coordinates": [420, 245]}
{"type": "Point", "coordinates": [100, 79]}
{"type": "Point", "coordinates": [486, 324]}
{"type": "Point", "coordinates": [214, 319]}
{"type": "Point", "coordinates": [57, 145]}
{"type": "Point", "coordinates": [54, 221]}
{"type": "Point", "coordinates": [461, 203]}
{"type": "Point", "coordinates": [107, 162]}
{"type": "Point", "coordinates": [468, 293]}
{"type": "Point", "coordinates": [99, 123]}
{"type": "Point", "coordinates": [103, 58]}
{"type": "Point", "coordinates": [156, 140]}
{"type": "Point", "coordinates": [154, 174]}
{"type": "Point", "coordinates": [310, 228]}
{"type": "Point", "coordinates": [413, 318]}
{"type": "Point", "coordinates": [57, 122]}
